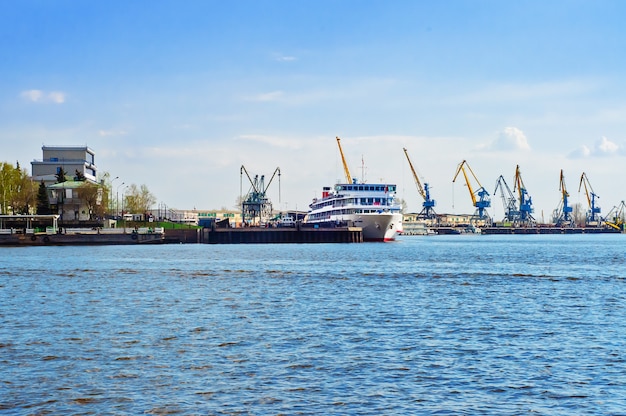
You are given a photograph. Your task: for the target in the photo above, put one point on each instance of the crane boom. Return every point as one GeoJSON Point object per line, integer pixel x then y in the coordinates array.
{"type": "Point", "coordinates": [525, 201]}
{"type": "Point", "coordinates": [508, 200]}
{"type": "Point", "coordinates": [562, 215]}
{"type": "Point", "coordinates": [484, 202]}
{"type": "Point", "coordinates": [345, 164]}
{"type": "Point", "coordinates": [420, 189]}
{"type": "Point", "coordinates": [461, 168]}
{"type": "Point", "coordinates": [591, 198]}
{"type": "Point", "coordinates": [428, 204]}
{"type": "Point", "coordinates": [583, 182]}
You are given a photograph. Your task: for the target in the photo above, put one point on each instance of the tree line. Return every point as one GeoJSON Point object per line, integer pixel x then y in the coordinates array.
{"type": "Point", "coordinates": [19, 194]}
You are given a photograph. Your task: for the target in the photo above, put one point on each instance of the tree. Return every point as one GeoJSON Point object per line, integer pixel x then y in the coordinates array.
{"type": "Point", "coordinates": [17, 193]}
{"type": "Point", "coordinates": [579, 215]}
{"type": "Point", "coordinates": [91, 194]}
{"type": "Point", "coordinates": [79, 176]}
{"type": "Point", "coordinates": [43, 202]}
{"type": "Point", "coordinates": [61, 175]}
{"type": "Point", "coordinates": [6, 180]}
{"type": "Point", "coordinates": [139, 199]}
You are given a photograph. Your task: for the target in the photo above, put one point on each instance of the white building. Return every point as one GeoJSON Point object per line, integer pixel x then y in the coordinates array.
{"type": "Point", "coordinates": [70, 158]}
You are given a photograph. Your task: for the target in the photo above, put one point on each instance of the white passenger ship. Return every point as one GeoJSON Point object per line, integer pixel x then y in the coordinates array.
{"type": "Point", "coordinates": [372, 207]}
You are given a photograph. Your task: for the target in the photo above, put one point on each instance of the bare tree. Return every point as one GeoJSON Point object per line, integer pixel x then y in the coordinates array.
{"type": "Point", "coordinates": [139, 199]}
{"type": "Point", "coordinates": [92, 195]}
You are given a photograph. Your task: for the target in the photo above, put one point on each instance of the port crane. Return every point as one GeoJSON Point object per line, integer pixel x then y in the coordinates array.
{"type": "Point", "coordinates": [593, 215]}
{"type": "Point", "coordinates": [480, 198]}
{"type": "Point", "coordinates": [616, 217]}
{"type": "Point", "coordinates": [256, 207]}
{"type": "Point", "coordinates": [562, 215]}
{"type": "Point", "coordinates": [428, 205]}
{"type": "Point", "coordinates": [346, 171]}
{"type": "Point", "coordinates": [525, 201]}
{"type": "Point", "coordinates": [509, 202]}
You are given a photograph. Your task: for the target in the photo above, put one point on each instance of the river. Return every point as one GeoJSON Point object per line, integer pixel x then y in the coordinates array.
{"type": "Point", "coordinates": [438, 325]}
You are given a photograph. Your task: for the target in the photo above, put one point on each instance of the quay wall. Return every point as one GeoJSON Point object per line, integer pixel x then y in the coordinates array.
{"type": "Point", "coordinates": [281, 235]}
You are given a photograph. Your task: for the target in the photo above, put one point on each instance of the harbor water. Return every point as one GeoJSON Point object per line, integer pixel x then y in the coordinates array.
{"type": "Point", "coordinates": [445, 325]}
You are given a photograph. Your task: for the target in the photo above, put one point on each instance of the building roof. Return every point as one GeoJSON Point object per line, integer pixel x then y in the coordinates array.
{"type": "Point", "coordinates": [68, 185]}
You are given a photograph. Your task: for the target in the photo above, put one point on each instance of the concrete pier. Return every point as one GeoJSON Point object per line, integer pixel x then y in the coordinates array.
{"type": "Point", "coordinates": [281, 235]}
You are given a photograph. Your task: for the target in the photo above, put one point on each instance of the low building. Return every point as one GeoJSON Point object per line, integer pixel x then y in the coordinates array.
{"type": "Point", "coordinates": [66, 201]}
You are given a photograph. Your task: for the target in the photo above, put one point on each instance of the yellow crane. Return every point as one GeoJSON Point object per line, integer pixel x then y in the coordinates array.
{"type": "Point", "coordinates": [525, 201]}
{"type": "Point", "coordinates": [615, 217]}
{"type": "Point", "coordinates": [483, 202]}
{"type": "Point", "coordinates": [428, 204]}
{"type": "Point", "coordinates": [563, 214]}
{"type": "Point", "coordinates": [591, 199]}
{"type": "Point", "coordinates": [345, 164]}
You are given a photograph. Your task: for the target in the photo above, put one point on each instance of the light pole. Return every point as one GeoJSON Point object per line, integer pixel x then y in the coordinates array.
{"type": "Point", "coordinates": [117, 201]}
{"type": "Point", "coordinates": [123, 199]}
{"type": "Point", "coordinates": [111, 195]}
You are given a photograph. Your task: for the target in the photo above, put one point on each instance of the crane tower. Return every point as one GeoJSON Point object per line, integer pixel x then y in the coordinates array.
{"type": "Point", "coordinates": [562, 216]}
{"type": "Point", "coordinates": [256, 207]}
{"type": "Point", "coordinates": [480, 197]}
{"type": "Point", "coordinates": [428, 205]}
{"type": "Point", "coordinates": [525, 201]}
{"type": "Point", "coordinates": [593, 215]}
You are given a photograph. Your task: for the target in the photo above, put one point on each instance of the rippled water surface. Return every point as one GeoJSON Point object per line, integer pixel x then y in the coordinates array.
{"type": "Point", "coordinates": [426, 325]}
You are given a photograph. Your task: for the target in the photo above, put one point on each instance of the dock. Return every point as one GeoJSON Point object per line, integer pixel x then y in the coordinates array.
{"type": "Point", "coordinates": [548, 230]}
{"type": "Point", "coordinates": [281, 235]}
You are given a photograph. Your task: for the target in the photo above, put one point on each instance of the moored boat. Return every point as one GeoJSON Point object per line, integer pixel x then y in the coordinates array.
{"type": "Point", "coordinates": [372, 207]}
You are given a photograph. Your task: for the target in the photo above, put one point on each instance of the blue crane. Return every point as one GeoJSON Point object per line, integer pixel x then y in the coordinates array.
{"type": "Point", "coordinates": [593, 215]}
{"type": "Point", "coordinates": [480, 198]}
{"type": "Point", "coordinates": [511, 213]}
{"type": "Point", "coordinates": [525, 201]}
{"type": "Point", "coordinates": [562, 215]}
{"type": "Point", "coordinates": [428, 206]}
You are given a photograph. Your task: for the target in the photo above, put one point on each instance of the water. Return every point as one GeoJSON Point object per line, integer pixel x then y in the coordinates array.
{"type": "Point", "coordinates": [443, 325]}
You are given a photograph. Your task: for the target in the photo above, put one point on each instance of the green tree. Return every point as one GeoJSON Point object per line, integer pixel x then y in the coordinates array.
{"type": "Point", "coordinates": [61, 175]}
{"type": "Point", "coordinates": [43, 202]}
{"type": "Point", "coordinates": [6, 179]}
{"type": "Point", "coordinates": [79, 176]}
{"type": "Point", "coordinates": [17, 192]}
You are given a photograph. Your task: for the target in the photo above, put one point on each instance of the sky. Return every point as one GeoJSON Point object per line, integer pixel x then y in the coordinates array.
{"type": "Point", "coordinates": [179, 95]}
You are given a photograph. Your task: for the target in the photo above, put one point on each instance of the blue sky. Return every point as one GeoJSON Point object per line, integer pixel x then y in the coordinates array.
{"type": "Point", "coordinates": [178, 95]}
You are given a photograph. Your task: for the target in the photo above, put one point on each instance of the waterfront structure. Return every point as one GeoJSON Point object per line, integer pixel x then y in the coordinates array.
{"type": "Point", "coordinates": [66, 200]}
{"type": "Point", "coordinates": [71, 159]}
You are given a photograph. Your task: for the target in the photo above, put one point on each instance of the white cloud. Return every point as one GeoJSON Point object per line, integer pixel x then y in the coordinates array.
{"type": "Point", "coordinates": [581, 152]}
{"type": "Point", "coordinates": [39, 96]}
{"type": "Point", "coordinates": [511, 138]}
{"type": "Point", "coordinates": [57, 97]}
{"type": "Point", "coordinates": [602, 147]}
{"type": "Point", "coordinates": [286, 58]}
{"type": "Point", "coordinates": [607, 147]}
{"type": "Point", "coordinates": [32, 95]}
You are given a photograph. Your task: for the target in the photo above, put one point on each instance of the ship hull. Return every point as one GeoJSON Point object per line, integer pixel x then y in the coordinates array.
{"type": "Point", "coordinates": [376, 227]}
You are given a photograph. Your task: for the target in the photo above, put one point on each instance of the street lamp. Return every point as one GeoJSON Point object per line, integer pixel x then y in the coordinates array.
{"type": "Point", "coordinates": [123, 199]}
{"type": "Point", "coordinates": [111, 195]}
{"type": "Point", "coordinates": [117, 201]}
